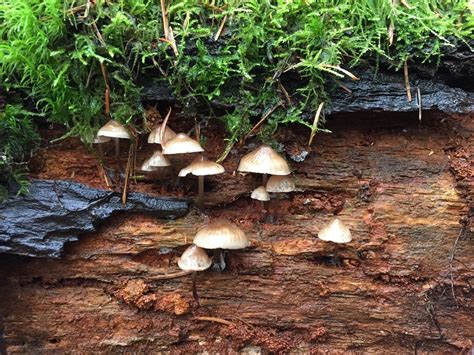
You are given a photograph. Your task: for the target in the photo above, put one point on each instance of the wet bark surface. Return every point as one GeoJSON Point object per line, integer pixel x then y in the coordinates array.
{"type": "Point", "coordinates": [55, 212]}
{"type": "Point", "coordinates": [404, 283]}
{"type": "Point", "coordinates": [447, 88]}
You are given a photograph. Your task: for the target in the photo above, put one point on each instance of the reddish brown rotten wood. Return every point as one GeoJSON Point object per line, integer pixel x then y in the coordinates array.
{"type": "Point", "coordinates": [401, 187]}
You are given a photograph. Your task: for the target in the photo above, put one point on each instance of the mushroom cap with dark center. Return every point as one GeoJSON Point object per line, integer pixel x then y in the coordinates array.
{"type": "Point", "coordinates": [201, 166]}
{"type": "Point", "coordinates": [221, 234]}
{"type": "Point", "coordinates": [181, 144]}
{"type": "Point", "coordinates": [113, 129]}
{"type": "Point", "coordinates": [260, 194]}
{"type": "Point", "coordinates": [101, 139]}
{"type": "Point", "coordinates": [264, 160]}
{"type": "Point", "coordinates": [280, 184]}
{"type": "Point", "coordinates": [194, 258]}
{"type": "Point", "coordinates": [155, 135]}
{"type": "Point", "coordinates": [335, 231]}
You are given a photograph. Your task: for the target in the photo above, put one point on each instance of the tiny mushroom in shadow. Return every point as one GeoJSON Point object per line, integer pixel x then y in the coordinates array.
{"type": "Point", "coordinates": [201, 167]}
{"type": "Point", "coordinates": [218, 235]}
{"type": "Point", "coordinates": [155, 162]}
{"type": "Point", "coordinates": [337, 232]}
{"type": "Point", "coordinates": [279, 185]}
{"type": "Point", "coordinates": [99, 140]}
{"type": "Point", "coordinates": [116, 131]}
{"type": "Point", "coordinates": [264, 160]}
{"type": "Point", "coordinates": [194, 259]}
{"type": "Point", "coordinates": [260, 194]}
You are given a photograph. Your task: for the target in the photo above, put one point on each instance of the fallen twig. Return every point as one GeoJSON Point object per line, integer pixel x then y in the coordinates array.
{"type": "Point", "coordinates": [407, 80]}
{"type": "Point", "coordinates": [169, 276]}
{"type": "Point", "coordinates": [221, 27]}
{"type": "Point", "coordinates": [127, 173]}
{"type": "Point", "coordinates": [257, 125]}
{"type": "Point", "coordinates": [214, 319]}
{"type": "Point", "coordinates": [315, 123]}
{"type": "Point", "coordinates": [418, 97]}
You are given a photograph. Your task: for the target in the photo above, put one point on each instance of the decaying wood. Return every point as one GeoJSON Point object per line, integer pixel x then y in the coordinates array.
{"type": "Point", "coordinates": [401, 186]}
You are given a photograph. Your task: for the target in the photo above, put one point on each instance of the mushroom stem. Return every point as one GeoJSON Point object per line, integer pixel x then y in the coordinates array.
{"type": "Point", "coordinates": [195, 294]}
{"type": "Point", "coordinates": [200, 198]}
{"type": "Point", "coordinates": [101, 151]}
{"type": "Point", "coordinates": [264, 179]}
{"type": "Point", "coordinates": [275, 207]}
{"type": "Point", "coordinates": [117, 155]}
{"type": "Point", "coordinates": [337, 260]}
{"type": "Point", "coordinates": [219, 260]}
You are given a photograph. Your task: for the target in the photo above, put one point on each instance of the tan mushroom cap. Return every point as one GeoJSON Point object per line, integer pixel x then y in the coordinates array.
{"type": "Point", "coordinates": [221, 234]}
{"type": "Point", "coordinates": [147, 167]}
{"type": "Point", "coordinates": [181, 144]}
{"type": "Point", "coordinates": [101, 139]}
{"type": "Point", "coordinates": [155, 135]}
{"type": "Point", "coordinates": [201, 166]}
{"type": "Point", "coordinates": [158, 160]}
{"type": "Point", "coordinates": [280, 184]}
{"type": "Point", "coordinates": [335, 231]}
{"type": "Point", "coordinates": [264, 160]}
{"type": "Point", "coordinates": [260, 194]}
{"type": "Point", "coordinates": [113, 129]}
{"type": "Point", "coordinates": [194, 258]}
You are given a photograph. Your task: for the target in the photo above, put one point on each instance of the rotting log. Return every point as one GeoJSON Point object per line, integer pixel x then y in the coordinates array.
{"type": "Point", "coordinates": [405, 284]}
{"type": "Point", "coordinates": [447, 88]}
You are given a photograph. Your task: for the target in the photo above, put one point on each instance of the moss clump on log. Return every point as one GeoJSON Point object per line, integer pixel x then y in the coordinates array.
{"type": "Point", "coordinates": [64, 55]}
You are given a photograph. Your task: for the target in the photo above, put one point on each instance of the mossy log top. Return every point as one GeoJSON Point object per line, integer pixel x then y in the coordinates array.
{"type": "Point", "coordinates": [405, 283]}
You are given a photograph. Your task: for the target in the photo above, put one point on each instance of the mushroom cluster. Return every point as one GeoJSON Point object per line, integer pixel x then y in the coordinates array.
{"type": "Point", "coordinates": [266, 161]}
{"type": "Point", "coordinates": [219, 235]}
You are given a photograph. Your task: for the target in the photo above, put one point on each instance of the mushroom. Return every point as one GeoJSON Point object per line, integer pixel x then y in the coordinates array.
{"type": "Point", "coordinates": [194, 259]}
{"type": "Point", "coordinates": [155, 162]}
{"type": "Point", "coordinates": [117, 131]}
{"type": "Point", "coordinates": [200, 167]}
{"type": "Point", "coordinates": [218, 235]}
{"type": "Point", "coordinates": [264, 160]}
{"type": "Point", "coordinates": [181, 144]}
{"type": "Point", "coordinates": [337, 232]}
{"type": "Point", "coordinates": [279, 185]}
{"type": "Point", "coordinates": [260, 194]}
{"type": "Point", "coordinates": [155, 135]}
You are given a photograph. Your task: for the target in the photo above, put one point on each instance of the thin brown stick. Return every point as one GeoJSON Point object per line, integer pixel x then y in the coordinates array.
{"type": "Point", "coordinates": [163, 127]}
{"type": "Point", "coordinates": [214, 319]}
{"type": "Point", "coordinates": [170, 276]}
{"type": "Point", "coordinates": [407, 80]}
{"type": "Point", "coordinates": [418, 96]}
{"type": "Point", "coordinates": [173, 42]}
{"type": "Point", "coordinates": [221, 27]}
{"type": "Point", "coordinates": [164, 18]}
{"type": "Point", "coordinates": [127, 173]}
{"type": "Point", "coordinates": [103, 69]}
{"type": "Point", "coordinates": [285, 93]}
{"type": "Point", "coordinates": [315, 123]}
{"type": "Point", "coordinates": [390, 33]}
{"type": "Point", "coordinates": [265, 116]}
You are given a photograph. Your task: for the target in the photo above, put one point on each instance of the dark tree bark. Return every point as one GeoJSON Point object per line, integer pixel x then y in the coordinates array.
{"type": "Point", "coordinates": [56, 212]}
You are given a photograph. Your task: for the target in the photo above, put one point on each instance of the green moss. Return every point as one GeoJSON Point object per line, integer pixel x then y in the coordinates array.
{"type": "Point", "coordinates": [51, 51]}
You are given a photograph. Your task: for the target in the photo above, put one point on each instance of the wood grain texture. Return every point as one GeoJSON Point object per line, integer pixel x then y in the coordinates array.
{"type": "Point", "coordinates": [403, 187]}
